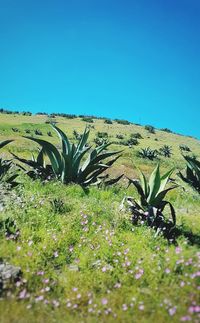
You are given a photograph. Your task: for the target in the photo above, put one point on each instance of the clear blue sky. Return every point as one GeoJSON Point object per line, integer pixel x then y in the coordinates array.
{"type": "Point", "coordinates": [136, 60]}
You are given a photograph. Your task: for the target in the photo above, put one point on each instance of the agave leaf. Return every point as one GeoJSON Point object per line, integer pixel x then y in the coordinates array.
{"type": "Point", "coordinates": [139, 188]}
{"type": "Point", "coordinates": [52, 152]}
{"type": "Point", "coordinates": [113, 181]}
{"type": "Point", "coordinates": [72, 152]}
{"type": "Point", "coordinates": [90, 168]}
{"type": "Point", "coordinates": [89, 171]}
{"type": "Point", "coordinates": [195, 169]}
{"type": "Point", "coordinates": [31, 163]}
{"type": "Point", "coordinates": [77, 160]}
{"type": "Point", "coordinates": [164, 180]}
{"type": "Point", "coordinates": [66, 173]}
{"type": "Point", "coordinates": [94, 157]}
{"type": "Point", "coordinates": [40, 157]}
{"type": "Point", "coordinates": [4, 143]}
{"type": "Point", "coordinates": [66, 146]}
{"type": "Point", "coordinates": [113, 160]}
{"type": "Point", "coordinates": [190, 159]}
{"type": "Point", "coordinates": [105, 155]}
{"type": "Point", "coordinates": [173, 213]}
{"type": "Point", "coordinates": [83, 139]}
{"type": "Point", "coordinates": [189, 174]}
{"type": "Point", "coordinates": [102, 147]}
{"type": "Point", "coordinates": [158, 199]}
{"type": "Point", "coordinates": [144, 183]}
{"type": "Point", "coordinates": [154, 184]}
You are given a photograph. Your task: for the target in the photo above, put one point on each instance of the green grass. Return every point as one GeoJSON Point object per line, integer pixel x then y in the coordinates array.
{"type": "Point", "coordinates": [86, 262]}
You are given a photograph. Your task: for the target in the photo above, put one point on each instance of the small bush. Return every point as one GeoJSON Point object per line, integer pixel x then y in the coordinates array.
{"type": "Point", "coordinates": [58, 206]}
{"type": "Point", "coordinates": [166, 130]}
{"type": "Point", "coordinates": [87, 119]}
{"type": "Point", "coordinates": [136, 135]}
{"type": "Point", "coordinates": [38, 132]}
{"type": "Point", "coordinates": [130, 142]}
{"type": "Point", "coordinates": [150, 128]}
{"type": "Point", "coordinates": [15, 129]}
{"type": "Point", "coordinates": [123, 122]}
{"type": "Point", "coordinates": [102, 134]}
{"type": "Point", "coordinates": [184, 148]}
{"type": "Point", "coordinates": [120, 136]}
{"type": "Point", "coordinates": [108, 121]}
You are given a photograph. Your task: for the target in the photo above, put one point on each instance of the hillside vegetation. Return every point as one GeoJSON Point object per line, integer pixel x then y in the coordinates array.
{"type": "Point", "coordinates": [82, 257]}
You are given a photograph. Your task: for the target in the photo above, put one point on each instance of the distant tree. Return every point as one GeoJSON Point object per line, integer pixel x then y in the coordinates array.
{"type": "Point", "coordinates": [150, 128]}
{"type": "Point", "coordinates": [108, 121]}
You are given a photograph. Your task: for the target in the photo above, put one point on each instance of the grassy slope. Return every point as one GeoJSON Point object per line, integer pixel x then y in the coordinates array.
{"type": "Point", "coordinates": [93, 247]}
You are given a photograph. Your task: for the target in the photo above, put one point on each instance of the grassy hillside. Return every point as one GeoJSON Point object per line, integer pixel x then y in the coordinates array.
{"type": "Point", "coordinates": [81, 257]}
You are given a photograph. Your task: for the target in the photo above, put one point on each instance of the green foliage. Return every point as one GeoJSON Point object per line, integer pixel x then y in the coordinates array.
{"type": "Point", "coordinates": [192, 173]}
{"type": "Point", "coordinates": [68, 165]}
{"type": "Point", "coordinates": [102, 134]}
{"type": "Point", "coordinates": [7, 174]}
{"type": "Point", "coordinates": [151, 202]}
{"type": "Point", "coordinates": [148, 153]}
{"type": "Point", "coordinates": [119, 136]}
{"type": "Point", "coordinates": [39, 169]}
{"type": "Point", "coordinates": [130, 142]}
{"type": "Point", "coordinates": [166, 151]}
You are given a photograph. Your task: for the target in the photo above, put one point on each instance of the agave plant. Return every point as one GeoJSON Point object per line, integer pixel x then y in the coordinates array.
{"type": "Point", "coordinates": [39, 168]}
{"type": "Point", "coordinates": [184, 148]}
{"type": "Point", "coordinates": [7, 175]}
{"type": "Point", "coordinates": [151, 204]}
{"type": "Point", "coordinates": [192, 173]}
{"type": "Point", "coordinates": [76, 135]}
{"type": "Point", "coordinates": [68, 165]}
{"type": "Point", "coordinates": [100, 141]}
{"type": "Point", "coordinates": [166, 151]}
{"type": "Point", "coordinates": [148, 153]}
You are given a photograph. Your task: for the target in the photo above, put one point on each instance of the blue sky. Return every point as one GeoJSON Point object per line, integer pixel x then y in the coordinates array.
{"type": "Point", "coordinates": [136, 60]}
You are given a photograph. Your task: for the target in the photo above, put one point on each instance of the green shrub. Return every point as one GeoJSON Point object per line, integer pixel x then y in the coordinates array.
{"type": "Point", "coordinates": [38, 132]}
{"type": "Point", "coordinates": [7, 174]}
{"type": "Point", "coordinates": [120, 136]}
{"type": "Point", "coordinates": [150, 129]}
{"type": "Point", "coordinates": [108, 121]}
{"type": "Point", "coordinates": [166, 151]}
{"type": "Point", "coordinates": [148, 153]}
{"type": "Point", "coordinates": [130, 142]}
{"type": "Point", "coordinates": [136, 135]}
{"type": "Point", "coordinates": [123, 122]}
{"type": "Point", "coordinates": [87, 119]}
{"type": "Point", "coordinates": [184, 148]}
